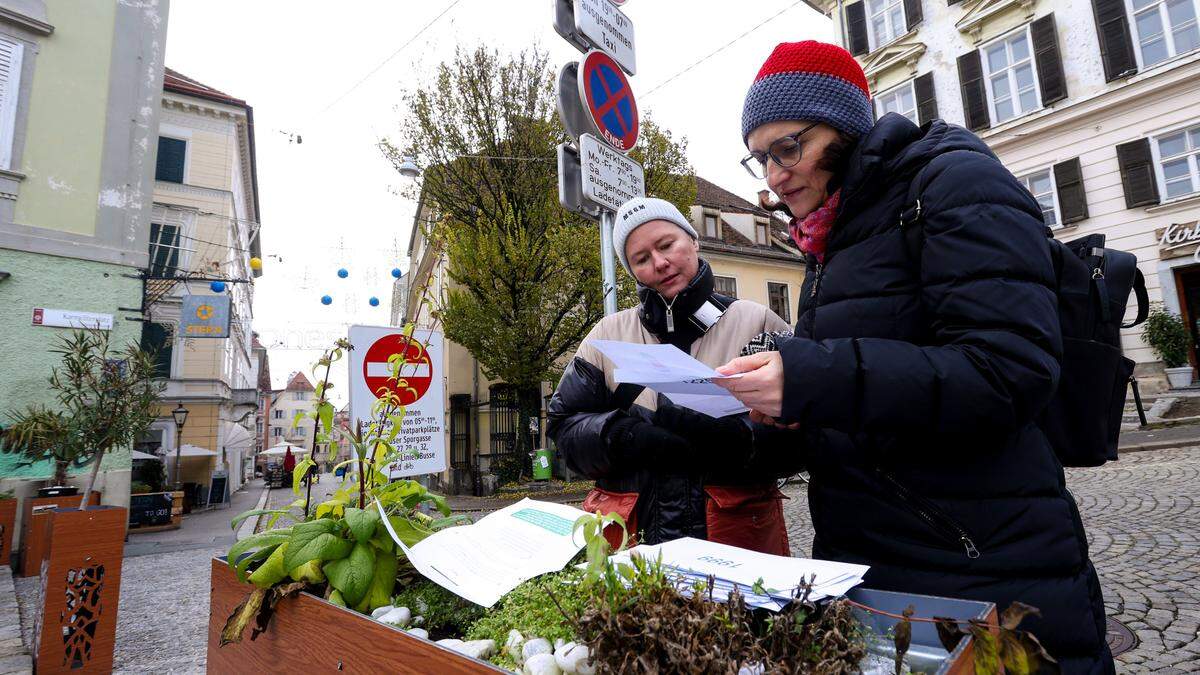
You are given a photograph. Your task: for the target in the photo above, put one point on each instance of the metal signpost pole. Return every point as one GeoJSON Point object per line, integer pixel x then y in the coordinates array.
{"type": "Point", "coordinates": [608, 261]}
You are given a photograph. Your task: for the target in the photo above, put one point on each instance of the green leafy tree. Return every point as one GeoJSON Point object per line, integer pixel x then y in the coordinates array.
{"type": "Point", "coordinates": [525, 273]}
{"type": "Point", "coordinates": [1168, 337]}
{"type": "Point", "coordinates": [105, 399]}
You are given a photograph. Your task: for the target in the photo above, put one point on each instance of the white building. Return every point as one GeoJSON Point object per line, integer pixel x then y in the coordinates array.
{"type": "Point", "coordinates": [1094, 105]}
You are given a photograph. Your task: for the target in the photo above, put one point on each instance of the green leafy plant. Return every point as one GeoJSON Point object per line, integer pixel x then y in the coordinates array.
{"type": "Point", "coordinates": [446, 614]}
{"type": "Point", "coordinates": [341, 547]}
{"type": "Point", "coordinates": [1168, 336]}
{"type": "Point", "coordinates": [136, 488]}
{"type": "Point", "coordinates": [105, 399]}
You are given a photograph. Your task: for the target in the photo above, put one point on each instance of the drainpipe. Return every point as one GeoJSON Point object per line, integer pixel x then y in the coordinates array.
{"type": "Point", "coordinates": [842, 25]}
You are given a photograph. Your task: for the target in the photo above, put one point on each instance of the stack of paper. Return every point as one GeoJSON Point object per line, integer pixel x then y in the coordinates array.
{"type": "Point", "coordinates": [669, 371]}
{"type": "Point", "coordinates": [483, 561]}
{"type": "Point", "coordinates": [776, 576]}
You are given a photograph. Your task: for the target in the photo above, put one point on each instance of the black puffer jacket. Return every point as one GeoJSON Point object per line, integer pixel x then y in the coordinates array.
{"type": "Point", "coordinates": [922, 355]}
{"type": "Point", "coordinates": [589, 415]}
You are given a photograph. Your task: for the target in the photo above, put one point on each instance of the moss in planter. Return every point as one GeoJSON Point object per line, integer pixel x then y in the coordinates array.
{"type": "Point", "coordinates": [446, 615]}
{"type": "Point", "coordinates": [530, 610]}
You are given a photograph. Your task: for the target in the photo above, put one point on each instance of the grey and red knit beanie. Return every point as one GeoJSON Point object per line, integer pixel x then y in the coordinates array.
{"type": "Point", "coordinates": [811, 81]}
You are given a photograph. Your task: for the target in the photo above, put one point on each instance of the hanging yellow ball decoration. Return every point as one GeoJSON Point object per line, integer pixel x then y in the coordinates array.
{"type": "Point", "coordinates": [256, 264]}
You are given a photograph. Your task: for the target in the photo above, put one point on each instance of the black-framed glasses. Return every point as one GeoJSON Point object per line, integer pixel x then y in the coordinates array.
{"type": "Point", "coordinates": [785, 151]}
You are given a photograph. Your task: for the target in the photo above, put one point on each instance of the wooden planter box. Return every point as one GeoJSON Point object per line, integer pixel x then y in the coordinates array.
{"type": "Point", "coordinates": [364, 645]}
{"type": "Point", "coordinates": [76, 630]}
{"type": "Point", "coordinates": [35, 529]}
{"type": "Point", "coordinates": [8, 523]}
{"type": "Point", "coordinates": [348, 641]}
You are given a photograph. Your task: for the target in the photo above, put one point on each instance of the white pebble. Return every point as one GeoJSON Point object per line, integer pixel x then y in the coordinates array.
{"type": "Point", "coordinates": [752, 669]}
{"type": "Point", "coordinates": [399, 616]}
{"type": "Point", "coordinates": [419, 632]}
{"type": "Point", "coordinates": [541, 664]}
{"type": "Point", "coordinates": [536, 646]}
{"type": "Point", "coordinates": [451, 643]}
{"type": "Point", "coordinates": [512, 646]}
{"type": "Point", "coordinates": [381, 611]}
{"type": "Point", "coordinates": [479, 649]}
{"type": "Point", "coordinates": [572, 658]}
{"type": "Point", "coordinates": [418, 620]}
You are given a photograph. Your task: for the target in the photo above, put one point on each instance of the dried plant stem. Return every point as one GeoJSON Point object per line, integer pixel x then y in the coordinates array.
{"type": "Point", "coordinates": [312, 452]}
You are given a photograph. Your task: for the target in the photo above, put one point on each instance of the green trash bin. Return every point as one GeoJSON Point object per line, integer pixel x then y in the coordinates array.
{"type": "Point", "coordinates": [541, 464]}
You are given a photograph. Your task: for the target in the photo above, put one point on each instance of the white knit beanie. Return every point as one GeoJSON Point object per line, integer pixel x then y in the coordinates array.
{"type": "Point", "coordinates": [639, 211]}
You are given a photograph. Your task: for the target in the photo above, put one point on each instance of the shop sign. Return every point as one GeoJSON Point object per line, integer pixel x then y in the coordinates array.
{"type": "Point", "coordinates": [1179, 239]}
{"type": "Point", "coordinates": [204, 316]}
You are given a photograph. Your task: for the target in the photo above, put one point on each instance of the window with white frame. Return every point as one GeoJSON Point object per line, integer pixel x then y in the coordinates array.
{"type": "Point", "coordinates": [1178, 159]}
{"type": "Point", "coordinates": [1164, 28]}
{"type": "Point", "coordinates": [299, 395]}
{"type": "Point", "coordinates": [901, 100]}
{"type": "Point", "coordinates": [725, 285]}
{"type": "Point", "coordinates": [169, 229]}
{"type": "Point", "coordinates": [301, 431]}
{"type": "Point", "coordinates": [885, 21]}
{"type": "Point", "coordinates": [778, 300]}
{"type": "Point", "coordinates": [762, 233]}
{"type": "Point", "coordinates": [1011, 81]}
{"type": "Point", "coordinates": [278, 413]}
{"type": "Point", "coordinates": [1041, 185]}
{"type": "Point", "coordinates": [10, 85]}
{"type": "Point", "coordinates": [276, 431]}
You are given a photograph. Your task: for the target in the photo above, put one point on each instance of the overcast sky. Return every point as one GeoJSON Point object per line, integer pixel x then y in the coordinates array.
{"type": "Point", "coordinates": [329, 202]}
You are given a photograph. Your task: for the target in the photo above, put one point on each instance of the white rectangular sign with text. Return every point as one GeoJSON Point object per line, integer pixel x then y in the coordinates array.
{"type": "Point", "coordinates": [609, 178]}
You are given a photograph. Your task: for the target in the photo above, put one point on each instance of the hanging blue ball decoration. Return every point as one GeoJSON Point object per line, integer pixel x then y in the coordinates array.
{"type": "Point", "coordinates": [217, 286]}
{"type": "Point", "coordinates": [374, 302]}
{"type": "Point", "coordinates": [343, 273]}
{"type": "Point", "coordinates": [396, 272]}
{"type": "Point", "coordinates": [326, 300]}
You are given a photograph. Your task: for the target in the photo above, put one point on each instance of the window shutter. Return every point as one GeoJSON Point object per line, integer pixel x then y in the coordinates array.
{"type": "Point", "coordinates": [1137, 173]}
{"type": "Point", "coordinates": [856, 26]}
{"type": "Point", "coordinates": [171, 155]}
{"type": "Point", "coordinates": [1072, 199]}
{"type": "Point", "coordinates": [926, 99]}
{"type": "Point", "coordinates": [10, 87]}
{"type": "Point", "coordinates": [1116, 45]}
{"type": "Point", "coordinates": [912, 13]}
{"type": "Point", "coordinates": [970, 77]}
{"type": "Point", "coordinates": [1048, 60]}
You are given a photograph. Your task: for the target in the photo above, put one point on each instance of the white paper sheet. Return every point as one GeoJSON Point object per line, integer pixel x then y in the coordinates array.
{"type": "Point", "coordinates": [669, 371]}
{"type": "Point", "coordinates": [483, 561]}
{"type": "Point", "coordinates": [730, 565]}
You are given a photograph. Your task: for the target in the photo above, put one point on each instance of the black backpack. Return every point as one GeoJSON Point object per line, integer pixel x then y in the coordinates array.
{"type": "Point", "coordinates": [1083, 418]}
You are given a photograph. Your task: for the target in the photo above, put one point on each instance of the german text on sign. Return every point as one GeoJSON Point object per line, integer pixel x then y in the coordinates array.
{"type": "Point", "coordinates": [609, 178]}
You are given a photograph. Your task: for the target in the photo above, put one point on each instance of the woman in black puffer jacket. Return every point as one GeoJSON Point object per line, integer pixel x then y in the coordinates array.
{"type": "Point", "coordinates": [927, 343]}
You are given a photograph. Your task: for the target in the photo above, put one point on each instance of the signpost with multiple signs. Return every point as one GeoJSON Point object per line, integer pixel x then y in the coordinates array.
{"type": "Point", "coordinates": [598, 108]}
{"type": "Point", "coordinates": [422, 437]}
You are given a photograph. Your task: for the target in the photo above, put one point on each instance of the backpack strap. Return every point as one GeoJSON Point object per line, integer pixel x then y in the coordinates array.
{"type": "Point", "coordinates": [1143, 299]}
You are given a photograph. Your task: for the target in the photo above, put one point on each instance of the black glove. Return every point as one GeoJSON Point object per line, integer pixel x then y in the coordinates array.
{"type": "Point", "coordinates": [712, 438]}
{"type": "Point", "coordinates": [633, 442]}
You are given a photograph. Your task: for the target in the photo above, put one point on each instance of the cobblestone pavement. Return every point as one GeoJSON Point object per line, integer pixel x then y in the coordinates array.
{"type": "Point", "coordinates": [1143, 527]}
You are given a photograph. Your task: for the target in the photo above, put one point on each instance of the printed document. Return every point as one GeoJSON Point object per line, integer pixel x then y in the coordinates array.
{"type": "Point", "coordinates": [483, 561]}
{"type": "Point", "coordinates": [669, 371]}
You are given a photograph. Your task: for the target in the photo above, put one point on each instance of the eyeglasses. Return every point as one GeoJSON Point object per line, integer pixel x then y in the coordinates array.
{"type": "Point", "coordinates": [785, 152]}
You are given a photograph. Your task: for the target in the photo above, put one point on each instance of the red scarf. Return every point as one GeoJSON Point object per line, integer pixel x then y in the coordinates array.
{"type": "Point", "coordinates": [811, 232]}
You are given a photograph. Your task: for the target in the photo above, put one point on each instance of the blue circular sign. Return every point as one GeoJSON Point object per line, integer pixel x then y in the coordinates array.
{"type": "Point", "coordinates": [609, 100]}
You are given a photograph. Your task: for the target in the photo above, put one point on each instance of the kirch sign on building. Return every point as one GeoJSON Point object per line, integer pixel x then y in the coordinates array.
{"type": "Point", "coordinates": [1179, 239]}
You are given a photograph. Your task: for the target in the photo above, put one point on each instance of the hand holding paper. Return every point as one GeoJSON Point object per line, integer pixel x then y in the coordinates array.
{"type": "Point", "coordinates": [667, 370]}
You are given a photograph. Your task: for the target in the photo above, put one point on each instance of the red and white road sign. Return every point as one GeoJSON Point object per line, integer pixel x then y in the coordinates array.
{"type": "Point", "coordinates": [415, 374]}
{"type": "Point", "coordinates": [421, 441]}
{"type": "Point", "coordinates": [608, 99]}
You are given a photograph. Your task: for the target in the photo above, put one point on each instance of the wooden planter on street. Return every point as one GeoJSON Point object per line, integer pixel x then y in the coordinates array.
{"type": "Point", "coordinates": [35, 529]}
{"type": "Point", "coordinates": [76, 630]}
{"type": "Point", "coordinates": [353, 643]}
{"type": "Point", "coordinates": [8, 523]}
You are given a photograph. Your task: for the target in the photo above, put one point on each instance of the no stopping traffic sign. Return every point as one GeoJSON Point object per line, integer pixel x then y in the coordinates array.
{"type": "Point", "coordinates": [608, 99]}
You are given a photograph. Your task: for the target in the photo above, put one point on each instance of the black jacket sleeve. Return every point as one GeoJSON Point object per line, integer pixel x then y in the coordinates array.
{"type": "Point", "coordinates": [987, 291]}
{"type": "Point", "coordinates": [582, 412]}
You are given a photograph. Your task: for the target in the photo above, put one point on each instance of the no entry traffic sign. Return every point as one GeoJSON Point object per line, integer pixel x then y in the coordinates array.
{"type": "Point", "coordinates": [421, 441]}
{"type": "Point", "coordinates": [608, 100]}
{"type": "Point", "coordinates": [415, 374]}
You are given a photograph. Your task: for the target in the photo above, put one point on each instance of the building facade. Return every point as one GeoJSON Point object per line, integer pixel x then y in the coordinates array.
{"type": "Point", "coordinates": [76, 185]}
{"type": "Point", "coordinates": [299, 396]}
{"type": "Point", "coordinates": [1094, 106]}
{"type": "Point", "coordinates": [751, 257]}
{"type": "Point", "coordinates": [204, 231]}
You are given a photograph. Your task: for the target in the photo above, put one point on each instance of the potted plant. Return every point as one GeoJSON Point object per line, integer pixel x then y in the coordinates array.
{"type": "Point", "coordinates": [1168, 336]}
{"type": "Point", "coordinates": [105, 399]}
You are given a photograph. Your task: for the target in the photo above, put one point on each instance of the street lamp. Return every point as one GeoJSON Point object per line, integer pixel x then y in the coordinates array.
{"type": "Point", "coordinates": [180, 414]}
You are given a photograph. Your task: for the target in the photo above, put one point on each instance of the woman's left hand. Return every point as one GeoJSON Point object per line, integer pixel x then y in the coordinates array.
{"type": "Point", "coordinates": [761, 388]}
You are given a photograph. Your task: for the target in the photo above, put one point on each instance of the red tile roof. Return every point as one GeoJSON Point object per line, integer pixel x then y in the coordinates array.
{"type": "Point", "coordinates": [299, 383]}
{"type": "Point", "coordinates": [713, 196]}
{"type": "Point", "coordinates": [182, 84]}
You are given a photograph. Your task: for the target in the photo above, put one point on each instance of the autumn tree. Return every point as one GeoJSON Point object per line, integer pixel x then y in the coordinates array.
{"type": "Point", "coordinates": [525, 273]}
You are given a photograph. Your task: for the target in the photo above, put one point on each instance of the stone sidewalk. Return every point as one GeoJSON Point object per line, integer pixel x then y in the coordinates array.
{"type": "Point", "coordinates": [14, 655]}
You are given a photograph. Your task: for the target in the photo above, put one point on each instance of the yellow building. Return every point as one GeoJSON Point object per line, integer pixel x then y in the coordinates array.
{"type": "Point", "coordinates": [752, 259]}
{"type": "Point", "coordinates": [204, 228]}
